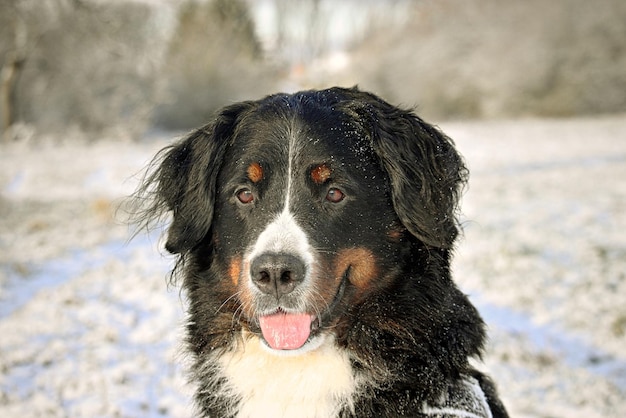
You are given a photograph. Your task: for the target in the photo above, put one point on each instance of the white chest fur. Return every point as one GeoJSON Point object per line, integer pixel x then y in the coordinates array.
{"type": "Point", "coordinates": [313, 384]}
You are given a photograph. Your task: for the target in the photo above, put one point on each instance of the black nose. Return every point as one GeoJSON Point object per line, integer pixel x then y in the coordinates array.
{"type": "Point", "coordinates": [277, 273]}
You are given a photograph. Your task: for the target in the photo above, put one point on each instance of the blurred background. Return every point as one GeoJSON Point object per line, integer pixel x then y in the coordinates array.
{"type": "Point", "coordinates": [533, 93]}
{"type": "Point", "coordinates": [169, 64]}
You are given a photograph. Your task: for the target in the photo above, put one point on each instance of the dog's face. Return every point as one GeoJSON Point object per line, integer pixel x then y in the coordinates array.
{"type": "Point", "coordinates": [313, 234]}
{"type": "Point", "coordinates": [291, 210]}
{"type": "Point", "coordinates": [304, 222]}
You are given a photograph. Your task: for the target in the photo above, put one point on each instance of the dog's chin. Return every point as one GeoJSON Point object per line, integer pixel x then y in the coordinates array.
{"type": "Point", "coordinates": [313, 343]}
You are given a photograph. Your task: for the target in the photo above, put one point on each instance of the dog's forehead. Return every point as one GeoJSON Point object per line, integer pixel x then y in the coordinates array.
{"type": "Point", "coordinates": [304, 133]}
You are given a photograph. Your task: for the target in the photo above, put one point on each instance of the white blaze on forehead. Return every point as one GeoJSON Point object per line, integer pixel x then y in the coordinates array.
{"type": "Point", "coordinates": [290, 164]}
{"type": "Point", "coordinates": [283, 234]}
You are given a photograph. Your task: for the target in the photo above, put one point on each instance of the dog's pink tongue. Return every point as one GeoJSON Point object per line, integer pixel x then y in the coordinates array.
{"type": "Point", "coordinates": [284, 331]}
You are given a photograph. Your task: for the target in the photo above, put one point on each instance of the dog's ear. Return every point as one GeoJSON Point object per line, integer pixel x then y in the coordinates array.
{"type": "Point", "coordinates": [425, 171]}
{"type": "Point", "coordinates": [184, 180]}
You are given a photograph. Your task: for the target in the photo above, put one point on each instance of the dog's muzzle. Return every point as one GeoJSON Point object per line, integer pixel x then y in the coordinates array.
{"type": "Point", "coordinates": [277, 275]}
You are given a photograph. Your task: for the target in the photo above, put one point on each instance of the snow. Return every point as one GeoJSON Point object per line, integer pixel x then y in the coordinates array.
{"type": "Point", "coordinates": [544, 259]}
{"type": "Point", "coordinates": [89, 326]}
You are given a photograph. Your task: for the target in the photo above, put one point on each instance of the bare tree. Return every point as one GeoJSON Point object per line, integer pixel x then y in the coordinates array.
{"type": "Point", "coordinates": [21, 30]}
{"type": "Point", "coordinates": [12, 65]}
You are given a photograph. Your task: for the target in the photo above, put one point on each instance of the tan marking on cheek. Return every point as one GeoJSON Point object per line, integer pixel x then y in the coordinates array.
{"type": "Point", "coordinates": [255, 172]}
{"type": "Point", "coordinates": [245, 293]}
{"type": "Point", "coordinates": [362, 264]}
{"type": "Point", "coordinates": [321, 174]}
{"type": "Point", "coordinates": [234, 270]}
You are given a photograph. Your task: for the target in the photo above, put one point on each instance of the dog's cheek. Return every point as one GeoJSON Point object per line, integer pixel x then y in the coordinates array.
{"type": "Point", "coordinates": [234, 270]}
{"type": "Point", "coordinates": [326, 281]}
{"type": "Point", "coordinates": [362, 265]}
{"type": "Point", "coordinates": [229, 278]}
{"type": "Point", "coordinates": [243, 289]}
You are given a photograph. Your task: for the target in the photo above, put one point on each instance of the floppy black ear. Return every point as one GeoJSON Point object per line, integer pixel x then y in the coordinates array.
{"type": "Point", "coordinates": [425, 170]}
{"type": "Point", "coordinates": [184, 182]}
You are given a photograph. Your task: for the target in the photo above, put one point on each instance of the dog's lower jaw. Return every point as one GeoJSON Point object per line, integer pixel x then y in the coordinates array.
{"type": "Point", "coordinates": [318, 381]}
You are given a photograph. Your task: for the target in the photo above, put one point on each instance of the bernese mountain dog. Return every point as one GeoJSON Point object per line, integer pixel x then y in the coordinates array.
{"type": "Point", "coordinates": [314, 233]}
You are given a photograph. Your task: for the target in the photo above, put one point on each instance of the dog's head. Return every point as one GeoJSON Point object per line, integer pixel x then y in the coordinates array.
{"type": "Point", "coordinates": [288, 210]}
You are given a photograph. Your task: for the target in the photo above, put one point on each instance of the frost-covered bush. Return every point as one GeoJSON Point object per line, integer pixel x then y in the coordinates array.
{"type": "Point", "coordinates": [460, 58]}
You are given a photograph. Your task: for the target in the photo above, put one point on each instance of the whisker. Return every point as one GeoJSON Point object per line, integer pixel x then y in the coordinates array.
{"type": "Point", "coordinates": [236, 294]}
{"type": "Point", "coordinates": [316, 307]}
{"type": "Point", "coordinates": [237, 314]}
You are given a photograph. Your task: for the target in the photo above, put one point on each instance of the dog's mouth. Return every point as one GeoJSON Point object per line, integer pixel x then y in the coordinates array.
{"type": "Point", "coordinates": [287, 331]}
{"type": "Point", "coordinates": [284, 330]}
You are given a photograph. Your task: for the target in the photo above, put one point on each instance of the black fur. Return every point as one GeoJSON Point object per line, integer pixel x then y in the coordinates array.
{"type": "Point", "coordinates": [409, 330]}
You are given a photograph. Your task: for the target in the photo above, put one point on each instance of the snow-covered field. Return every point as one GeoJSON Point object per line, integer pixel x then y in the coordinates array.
{"type": "Point", "coordinates": [89, 327]}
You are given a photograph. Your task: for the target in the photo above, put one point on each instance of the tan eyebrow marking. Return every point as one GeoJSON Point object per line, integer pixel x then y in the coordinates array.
{"type": "Point", "coordinates": [255, 172]}
{"type": "Point", "coordinates": [321, 174]}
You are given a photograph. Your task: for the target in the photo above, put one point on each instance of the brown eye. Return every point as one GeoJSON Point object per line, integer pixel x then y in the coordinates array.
{"type": "Point", "coordinates": [245, 196]}
{"type": "Point", "coordinates": [335, 195]}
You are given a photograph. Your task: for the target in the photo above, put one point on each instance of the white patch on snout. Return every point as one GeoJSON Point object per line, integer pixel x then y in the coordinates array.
{"type": "Point", "coordinates": [283, 235]}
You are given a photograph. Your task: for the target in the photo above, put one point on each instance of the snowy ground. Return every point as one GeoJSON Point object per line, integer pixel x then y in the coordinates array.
{"type": "Point", "coordinates": [88, 326]}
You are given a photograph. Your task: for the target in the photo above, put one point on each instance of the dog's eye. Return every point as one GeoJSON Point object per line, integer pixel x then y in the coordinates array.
{"type": "Point", "coordinates": [245, 196]}
{"type": "Point", "coordinates": [335, 195]}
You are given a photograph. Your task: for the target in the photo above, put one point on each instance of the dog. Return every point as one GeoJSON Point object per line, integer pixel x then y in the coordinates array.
{"type": "Point", "coordinates": [313, 234]}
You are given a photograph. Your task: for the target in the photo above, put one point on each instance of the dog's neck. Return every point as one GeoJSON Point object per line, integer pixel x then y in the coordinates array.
{"type": "Point", "coordinates": [259, 383]}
